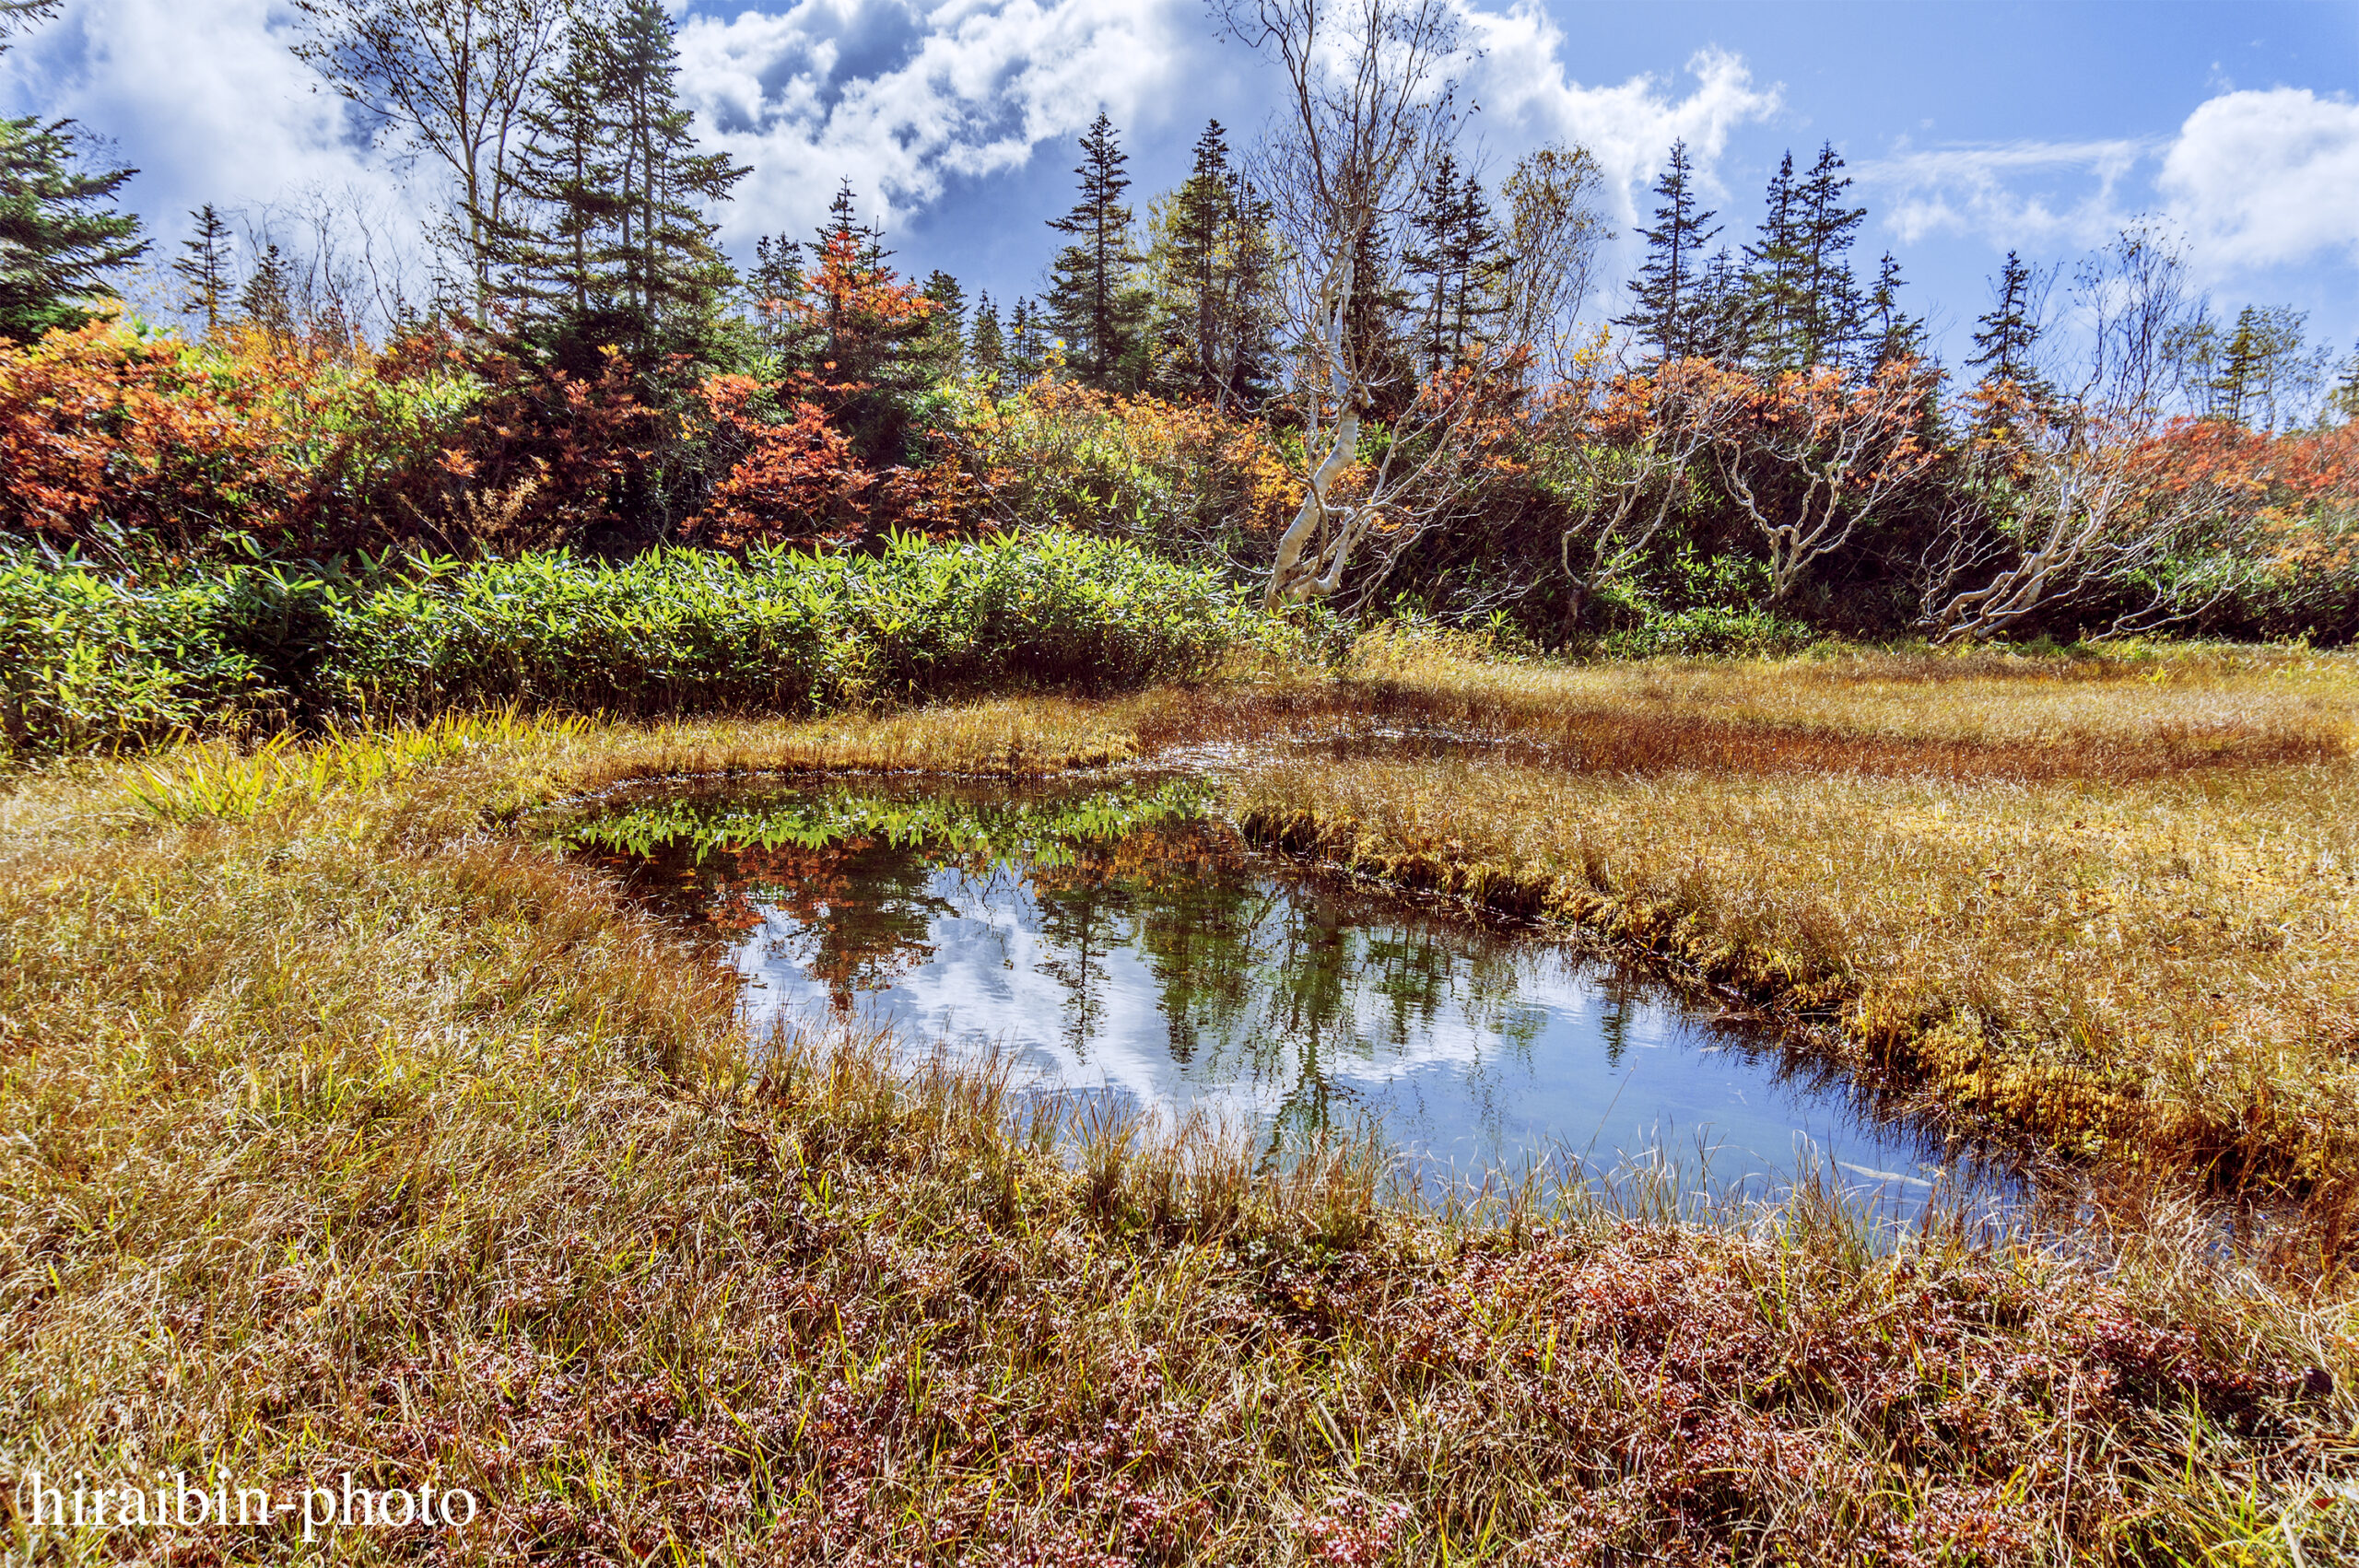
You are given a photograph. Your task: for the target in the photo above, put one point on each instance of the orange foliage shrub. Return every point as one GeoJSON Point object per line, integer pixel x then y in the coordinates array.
{"type": "Point", "coordinates": [794, 478]}
{"type": "Point", "coordinates": [1178, 473]}
{"type": "Point", "coordinates": [103, 428]}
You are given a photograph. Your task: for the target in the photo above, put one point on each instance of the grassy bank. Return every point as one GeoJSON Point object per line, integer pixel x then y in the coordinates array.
{"type": "Point", "coordinates": [350, 1132]}
{"type": "Point", "coordinates": [2115, 903]}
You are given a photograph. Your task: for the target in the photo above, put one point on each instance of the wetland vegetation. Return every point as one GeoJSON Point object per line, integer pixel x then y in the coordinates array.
{"type": "Point", "coordinates": [357, 1129]}
{"type": "Point", "coordinates": [1315, 626]}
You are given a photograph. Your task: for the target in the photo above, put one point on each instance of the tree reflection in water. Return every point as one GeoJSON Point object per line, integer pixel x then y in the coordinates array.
{"type": "Point", "coordinates": [1120, 936]}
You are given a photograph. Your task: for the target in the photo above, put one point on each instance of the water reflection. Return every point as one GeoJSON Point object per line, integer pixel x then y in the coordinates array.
{"type": "Point", "coordinates": [1122, 942]}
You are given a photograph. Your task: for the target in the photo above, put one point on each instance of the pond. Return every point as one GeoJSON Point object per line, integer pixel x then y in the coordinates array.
{"type": "Point", "coordinates": [1121, 942]}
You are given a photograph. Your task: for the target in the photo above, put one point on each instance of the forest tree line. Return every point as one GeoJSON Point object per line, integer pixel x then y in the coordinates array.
{"type": "Point", "coordinates": [1342, 365]}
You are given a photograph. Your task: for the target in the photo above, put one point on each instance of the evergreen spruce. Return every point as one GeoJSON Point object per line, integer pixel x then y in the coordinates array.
{"type": "Point", "coordinates": [1373, 318]}
{"type": "Point", "coordinates": [267, 300]}
{"type": "Point", "coordinates": [1832, 310]}
{"type": "Point", "coordinates": [1721, 318]}
{"type": "Point", "coordinates": [1776, 270]}
{"type": "Point", "coordinates": [2010, 329]}
{"type": "Point", "coordinates": [944, 346]}
{"type": "Point", "coordinates": [1251, 373]}
{"type": "Point", "coordinates": [851, 340]}
{"type": "Point", "coordinates": [987, 347]}
{"type": "Point", "coordinates": [557, 249]}
{"type": "Point", "coordinates": [206, 269]}
{"type": "Point", "coordinates": [1094, 301]}
{"type": "Point", "coordinates": [671, 271]}
{"type": "Point", "coordinates": [2344, 399]}
{"type": "Point", "coordinates": [1028, 352]}
{"type": "Point", "coordinates": [1665, 312]}
{"type": "Point", "coordinates": [59, 232]}
{"type": "Point", "coordinates": [774, 286]}
{"type": "Point", "coordinates": [1213, 269]}
{"type": "Point", "coordinates": [1462, 262]}
{"type": "Point", "coordinates": [1891, 335]}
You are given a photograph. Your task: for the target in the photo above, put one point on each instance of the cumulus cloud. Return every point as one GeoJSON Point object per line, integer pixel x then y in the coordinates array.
{"type": "Point", "coordinates": [1524, 90]}
{"type": "Point", "coordinates": [2253, 179]}
{"type": "Point", "coordinates": [900, 96]}
{"type": "Point", "coordinates": [2267, 178]}
{"type": "Point", "coordinates": [202, 95]}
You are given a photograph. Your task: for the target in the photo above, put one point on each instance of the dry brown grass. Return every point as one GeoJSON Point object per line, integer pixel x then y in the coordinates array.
{"type": "Point", "coordinates": [2116, 905]}
{"type": "Point", "coordinates": [348, 1133]}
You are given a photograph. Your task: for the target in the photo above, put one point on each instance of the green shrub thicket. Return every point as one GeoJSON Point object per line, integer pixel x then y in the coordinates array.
{"type": "Point", "coordinates": [95, 662]}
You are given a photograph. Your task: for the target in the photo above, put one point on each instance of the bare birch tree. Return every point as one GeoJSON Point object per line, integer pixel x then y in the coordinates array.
{"type": "Point", "coordinates": [1555, 227]}
{"type": "Point", "coordinates": [1372, 106]}
{"type": "Point", "coordinates": [2070, 505]}
{"type": "Point", "coordinates": [1635, 443]}
{"type": "Point", "coordinates": [1819, 457]}
{"type": "Point", "coordinates": [451, 79]}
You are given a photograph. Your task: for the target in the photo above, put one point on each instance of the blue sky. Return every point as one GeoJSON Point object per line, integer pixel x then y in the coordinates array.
{"type": "Point", "coordinates": [1971, 127]}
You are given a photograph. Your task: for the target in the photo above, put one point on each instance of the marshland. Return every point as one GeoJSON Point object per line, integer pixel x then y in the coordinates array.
{"type": "Point", "coordinates": [1351, 892]}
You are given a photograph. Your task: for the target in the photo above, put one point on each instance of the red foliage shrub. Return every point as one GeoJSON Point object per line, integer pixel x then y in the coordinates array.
{"type": "Point", "coordinates": [794, 479]}
{"type": "Point", "coordinates": [102, 429]}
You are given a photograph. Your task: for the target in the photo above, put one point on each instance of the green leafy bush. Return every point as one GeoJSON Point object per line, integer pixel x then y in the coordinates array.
{"type": "Point", "coordinates": [1711, 631]}
{"type": "Point", "coordinates": [90, 661]}
{"type": "Point", "coordinates": [95, 662]}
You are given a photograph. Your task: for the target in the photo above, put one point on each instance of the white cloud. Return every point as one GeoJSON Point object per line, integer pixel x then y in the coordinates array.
{"type": "Point", "coordinates": [2253, 179]}
{"type": "Point", "coordinates": [2072, 194]}
{"type": "Point", "coordinates": [2266, 179]}
{"type": "Point", "coordinates": [1628, 127]}
{"type": "Point", "coordinates": [203, 96]}
{"type": "Point", "coordinates": [899, 97]}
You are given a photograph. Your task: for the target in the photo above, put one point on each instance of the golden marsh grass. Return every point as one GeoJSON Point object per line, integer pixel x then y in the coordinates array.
{"type": "Point", "coordinates": [349, 1132]}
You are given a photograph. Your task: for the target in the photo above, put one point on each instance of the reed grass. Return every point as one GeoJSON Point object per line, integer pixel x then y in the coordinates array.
{"type": "Point", "coordinates": [349, 1130]}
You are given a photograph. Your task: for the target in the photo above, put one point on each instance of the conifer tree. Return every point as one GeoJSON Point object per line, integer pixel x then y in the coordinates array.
{"type": "Point", "coordinates": [987, 347]}
{"type": "Point", "coordinates": [1372, 328]}
{"type": "Point", "coordinates": [556, 247]}
{"type": "Point", "coordinates": [607, 198]}
{"type": "Point", "coordinates": [773, 285]}
{"type": "Point", "coordinates": [671, 268]}
{"type": "Point", "coordinates": [1776, 267]}
{"type": "Point", "coordinates": [2344, 399]}
{"type": "Point", "coordinates": [944, 346]}
{"type": "Point", "coordinates": [1829, 298]}
{"type": "Point", "coordinates": [1250, 366]}
{"type": "Point", "coordinates": [1722, 320]}
{"type": "Point", "coordinates": [267, 300]}
{"type": "Point", "coordinates": [1891, 334]}
{"type": "Point", "coordinates": [1027, 351]}
{"type": "Point", "coordinates": [59, 232]}
{"type": "Point", "coordinates": [1214, 260]}
{"type": "Point", "coordinates": [1665, 291]}
{"type": "Point", "coordinates": [1094, 300]}
{"type": "Point", "coordinates": [2011, 328]}
{"type": "Point", "coordinates": [1461, 261]}
{"type": "Point", "coordinates": [864, 327]}
{"type": "Point", "coordinates": [206, 269]}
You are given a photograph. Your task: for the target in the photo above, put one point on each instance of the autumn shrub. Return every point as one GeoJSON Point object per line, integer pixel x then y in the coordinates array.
{"type": "Point", "coordinates": [2297, 522]}
{"type": "Point", "coordinates": [140, 443]}
{"type": "Point", "coordinates": [1183, 477]}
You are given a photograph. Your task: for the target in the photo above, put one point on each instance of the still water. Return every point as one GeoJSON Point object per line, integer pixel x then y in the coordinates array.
{"type": "Point", "coordinates": [1121, 941]}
